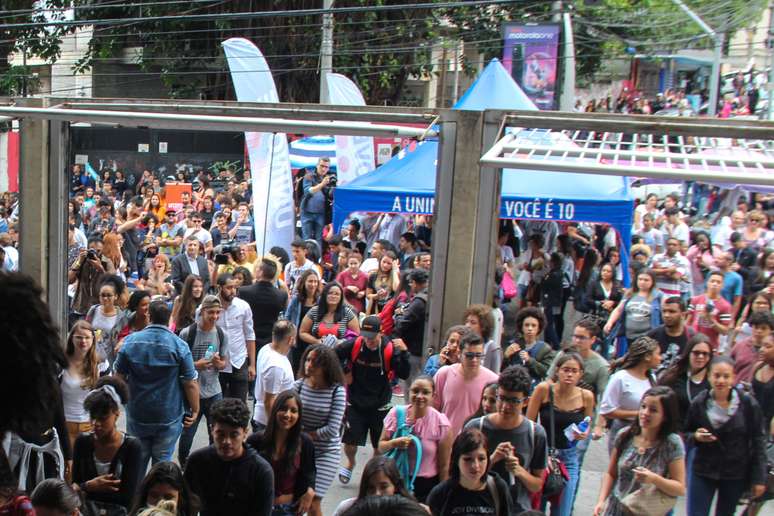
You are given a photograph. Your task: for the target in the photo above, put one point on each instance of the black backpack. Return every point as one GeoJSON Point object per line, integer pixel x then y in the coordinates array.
{"type": "Point", "coordinates": [191, 337]}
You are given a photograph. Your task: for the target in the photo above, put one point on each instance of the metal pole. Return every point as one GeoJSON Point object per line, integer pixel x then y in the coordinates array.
{"type": "Point", "coordinates": [556, 11]}
{"type": "Point", "coordinates": [24, 68]}
{"type": "Point", "coordinates": [567, 99]}
{"type": "Point", "coordinates": [326, 52]}
{"type": "Point", "coordinates": [718, 39]}
{"type": "Point", "coordinates": [770, 43]}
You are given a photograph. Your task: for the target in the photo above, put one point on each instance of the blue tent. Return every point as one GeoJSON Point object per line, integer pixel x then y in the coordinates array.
{"type": "Point", "coordinates": [406, 183]}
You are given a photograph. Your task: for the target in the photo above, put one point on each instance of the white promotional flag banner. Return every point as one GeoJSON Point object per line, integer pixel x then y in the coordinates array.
{"type": "Point", "coordinates": [354, 154]}
{"type": "Point", "coordinates": [273, 210]}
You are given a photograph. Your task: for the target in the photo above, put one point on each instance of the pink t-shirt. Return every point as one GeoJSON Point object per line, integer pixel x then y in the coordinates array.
{"type": "Point", "coordinates": [745, 356]}
{"type": "Point", "coordinates": [721, 313]}
{"type": "Point", "coordinates": [431, 429]}
{"type": "Point", "coordinates": [457, 398]}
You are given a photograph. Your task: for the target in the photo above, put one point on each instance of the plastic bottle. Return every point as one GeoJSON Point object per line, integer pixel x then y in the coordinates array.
{"type": "Point", "coordinates": [579, 428]}
{"type": "Point", "coordinates": [210, 351]}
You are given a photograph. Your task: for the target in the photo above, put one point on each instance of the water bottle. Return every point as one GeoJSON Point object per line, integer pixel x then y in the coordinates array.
{"type": "Point", "coordinates": [210, 351]}
{"type": "Point", "coordinates": [574, 428]}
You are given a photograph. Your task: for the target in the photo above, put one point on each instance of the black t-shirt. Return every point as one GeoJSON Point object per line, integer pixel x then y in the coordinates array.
{"type": "Point", "coordinates": [451, 499]}
{"type": "Point", "coordinates": [668, 341]}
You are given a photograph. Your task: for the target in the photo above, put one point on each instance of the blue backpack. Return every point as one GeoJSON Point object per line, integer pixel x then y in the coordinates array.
{"type": "Point", "coordinates": [401, 456]}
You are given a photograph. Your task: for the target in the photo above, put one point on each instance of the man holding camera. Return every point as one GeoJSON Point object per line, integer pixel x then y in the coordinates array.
{"type": "Point", "coordinates": [88, 270]}
{"type": "Point", "coordinates": [318, 191]}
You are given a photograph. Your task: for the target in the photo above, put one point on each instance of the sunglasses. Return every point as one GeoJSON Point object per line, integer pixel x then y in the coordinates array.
{"type": "Point", "coordinates": [472, 354]}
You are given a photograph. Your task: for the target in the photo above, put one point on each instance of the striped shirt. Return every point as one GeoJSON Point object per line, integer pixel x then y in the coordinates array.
{"type": "Point", "coordinates": [349, 314]}
{"type": "Point", "coordinates": [323, 413]}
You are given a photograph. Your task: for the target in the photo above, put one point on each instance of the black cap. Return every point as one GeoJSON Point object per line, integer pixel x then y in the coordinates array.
{"type": "Point", "coordinates": [370, 326]}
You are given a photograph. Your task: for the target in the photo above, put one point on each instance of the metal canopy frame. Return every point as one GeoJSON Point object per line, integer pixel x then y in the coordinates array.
{"type": "Point", "coordinates": [668, 150]}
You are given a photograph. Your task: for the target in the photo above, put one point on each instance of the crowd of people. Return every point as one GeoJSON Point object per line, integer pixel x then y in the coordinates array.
{"type": "Point", "coordinates": [295, 360]}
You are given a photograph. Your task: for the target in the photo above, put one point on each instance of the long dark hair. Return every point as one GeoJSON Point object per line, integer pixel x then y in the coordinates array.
{"type": "Point", "coordinates": [326, 359]}
{"type": "Point", "coordinates": [188, 302]}
{"type": "Point", "coordinates": [590, 260]}
{"type": "Point", "coordinates": [670, 422]}
{"type": "Point", "coordinates": [166, 473]}
{"type": "Point", "coordinates": [386, 465]}
{"type": "Point", "coordinates": [301, 284]}
{"type": "Point", "coordinates": [322, 304]}
{"type": "Point", "coordinates": [679, 368]}
{"type": "Point", "coordinates": [467, 441]}
{"type": "Point", "coordinates": [293, 439]}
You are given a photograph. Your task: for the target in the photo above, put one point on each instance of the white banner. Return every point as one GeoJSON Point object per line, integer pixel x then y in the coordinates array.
{"type": "Point", "coordinates": [354, 154]}
{"type": "Point", "coordinates": [273, 210]}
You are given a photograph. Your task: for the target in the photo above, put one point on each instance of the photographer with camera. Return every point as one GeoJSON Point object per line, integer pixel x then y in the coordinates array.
{"type": "Point", "coordinates": [88, 270]}
{"type": "Point", "coordinates": [318, 192]}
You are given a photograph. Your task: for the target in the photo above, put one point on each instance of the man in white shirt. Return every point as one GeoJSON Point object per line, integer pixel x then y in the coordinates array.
{"type": "Point", "coordinates": [273, 372]}
{"type": "Point", "coordinates": [236, 319]}
{"type": "Point", "coordinates": [653, 237]}
{"type": "Point", "coordinates": [726, 227]}
{"type": "Point", "coordinates": [199, 232]}
{"type": "Point", "coordinates": [377, 250]}
{"type": "Point", "coordinates": [674, 227]}
{"type": "Point", "coordinates": [298, 264]}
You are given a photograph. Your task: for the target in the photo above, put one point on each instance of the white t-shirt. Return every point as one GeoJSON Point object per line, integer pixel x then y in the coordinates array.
{"type": "Point", "coordinates": [72, 398]}
{"type": "Point", "coordinates": [202, 235]}
{"type": "Point", "coordinates": [273, 374]}
{"type": "Point", "coordinates": [369, 265]}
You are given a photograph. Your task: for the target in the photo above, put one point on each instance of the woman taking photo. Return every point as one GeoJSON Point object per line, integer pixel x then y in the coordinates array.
{"type": "Point", "coordinates": [530, 351]}
{"type": "Point", "coordinates": [383, 283]}
{"type": "Point", "coordinates": [165, 482]}
{"type": "Point", "coordinates": [561, 403]}
{"type": "Point", "coordinates": [106, 463]}
{"type": "Point", "coordinates": [107, 318]}
{"type": "Point", "coordinates": [631, 376]}
{"type": "Point", "coordinates": [79, 378]}
{"type": "Point", "coordinates": [433, 430]}
{"type": "Point", "coordinates": [290, 453]}
{"type": "Point", "coordinates": [323, 396]}
{"type": "Point", "coordinates": [701, 255]}
{"type": "Point", "coordinates": [727, 428]}
{"type": "Point", "coordinates": [380, 478]}
{"type": "Point", "coordinates": [184, 307]}
{"type": "Point", "coordinates": [649, 452]}
{"type": "Point", "coordinates": [329, 320]}
{"type": "Point", "coordinates": [638, 313]}
{"type": "Point", "coordinates": [305, 296]}
{"type": "Point", "coordinates": [471, 489]}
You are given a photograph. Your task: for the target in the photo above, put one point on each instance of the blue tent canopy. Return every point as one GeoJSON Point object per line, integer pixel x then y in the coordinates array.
{"type": "Point", "coordinates": [406, 183]}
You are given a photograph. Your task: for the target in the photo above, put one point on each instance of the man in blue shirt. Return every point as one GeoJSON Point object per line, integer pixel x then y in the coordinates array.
{"type": "Point", "coordinates": [732, 283]}
{"type": "Point", "coordinates": [317, 190]}
{"type": "Point", "coordinates": [159, 369]}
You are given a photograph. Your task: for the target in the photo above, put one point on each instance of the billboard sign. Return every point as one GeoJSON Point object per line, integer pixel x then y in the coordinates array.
{"type": "Point", "coordinates": [530, 55]}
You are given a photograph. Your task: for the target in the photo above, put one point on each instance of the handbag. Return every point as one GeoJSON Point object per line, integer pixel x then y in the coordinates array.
{"type": "Point", "coordinates": [648, 501]}
{"type": "Point", "coordinates": [508, 286]}
{"type": "Point", "coordinates": [401, 456]}
{"type": "Point", "coordinates": [556, 479]}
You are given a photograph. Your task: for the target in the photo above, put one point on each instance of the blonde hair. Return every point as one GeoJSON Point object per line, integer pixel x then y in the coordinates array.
{"type": "Point", "coordinates": [163, 508]}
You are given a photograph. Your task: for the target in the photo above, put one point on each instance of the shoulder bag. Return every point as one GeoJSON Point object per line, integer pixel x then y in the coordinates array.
{"type": "Point", "coordinates": [557, 477]}
{"type": "Point", "coordinates": [401, 456]}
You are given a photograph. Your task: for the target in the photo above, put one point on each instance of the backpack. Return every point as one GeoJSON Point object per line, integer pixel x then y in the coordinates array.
{"type": "Point", "coordinates": [387, 316]}
{"type": "Point", "coordinates": [401, 456]}
{"type": "Point", "coordinates": [357, 346]}
{"type": "Point", "coordinates": [191, 337]}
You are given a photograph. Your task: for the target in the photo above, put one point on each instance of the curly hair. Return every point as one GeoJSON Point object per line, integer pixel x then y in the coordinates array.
{"type": "Point", "coordinates": [324, 358]}
{"type": "Point", "coordinates": [530, 311]}
{"type": "Point", "coordinates": [515, 379]}
{"type": "Point", "coordinates": [99, 403]}
{"type": "Point", "coordinates": [485, 319]}
{"type": "Point", "coordinates": [230, 411]}
{"type": "Point", "coordinates": [32, 357]}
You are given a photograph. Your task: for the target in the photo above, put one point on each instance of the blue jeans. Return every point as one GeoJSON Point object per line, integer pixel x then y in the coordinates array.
{"type": "Point", "coordinates": [159, 446]}
{"type": "Point", "coordinates": [187, 437]}
{"type": "Point", "coordinates": [312, 226]}
{"type": "Point", "coordinates": [569, 457]}
{"type": "Point", "coordinates": [703, 490]}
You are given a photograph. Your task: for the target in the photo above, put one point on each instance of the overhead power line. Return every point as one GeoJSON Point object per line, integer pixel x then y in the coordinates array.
{"type": "Point", "coordinates": [261, 14]}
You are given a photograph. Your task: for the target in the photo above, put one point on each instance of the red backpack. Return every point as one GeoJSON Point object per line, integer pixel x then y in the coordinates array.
{"type": "Point", "coordinates": [357, 346]}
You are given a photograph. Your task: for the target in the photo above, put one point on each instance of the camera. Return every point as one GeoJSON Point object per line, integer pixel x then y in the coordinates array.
{"type": "Point", "coordinates": [333, 181]}
{"type": "Point", "coordinates": [710, 306]}
{"type": "Point", "coordinates": [223, 251]}
{"type": "Point", "coordinates": [91, 254]}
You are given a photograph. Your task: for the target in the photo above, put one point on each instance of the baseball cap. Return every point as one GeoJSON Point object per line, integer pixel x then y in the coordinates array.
{"type": "Point", "coordinates": [210, 301]}
{"type": "Point", "coordinates": [370, 326]}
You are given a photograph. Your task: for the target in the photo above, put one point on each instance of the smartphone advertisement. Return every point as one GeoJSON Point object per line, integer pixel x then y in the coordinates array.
{"type": "Point", "coordinates": [530, 55]}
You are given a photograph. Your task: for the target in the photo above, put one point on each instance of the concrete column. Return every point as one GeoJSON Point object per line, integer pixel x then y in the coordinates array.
{"type": "Point", "coordinates": [464, 222]}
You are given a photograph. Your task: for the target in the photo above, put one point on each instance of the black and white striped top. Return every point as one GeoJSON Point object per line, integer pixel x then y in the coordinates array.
{"type": "Point", "coordinates": [323, 413]}
{"type": "Point", "coordinates": [349, 314]}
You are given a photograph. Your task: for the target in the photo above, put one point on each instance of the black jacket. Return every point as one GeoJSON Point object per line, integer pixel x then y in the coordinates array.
{"type": "Point", "coordinates": [241, 487]}
{"type": "Point", "coordinates": [267, 302]}
{"type": "Point", "coordinates": [410, 325]}
{"type": "Point", "coordinates": [181, 270]}
{"type": "Point", "coordinates": [307, 471]}
{"type": "Point", "coordinates": [128, 457]}
{"type": "Point", "coordinates": [370, 388]}
{"type": "Point", "coordinates": [740, 451]}
{"type": "Point", "coordinates": [551, 288]}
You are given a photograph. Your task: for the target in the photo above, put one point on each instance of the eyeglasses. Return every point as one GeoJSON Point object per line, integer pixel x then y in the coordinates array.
{"type": "Point", "coordinates": [472, 354]}
{"type": "Point", "coordinates": [700, 353]}
{"type": "Point", "coordinates": [580, 337]}
{"type": "Point", "coordinates": [510, 400]}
